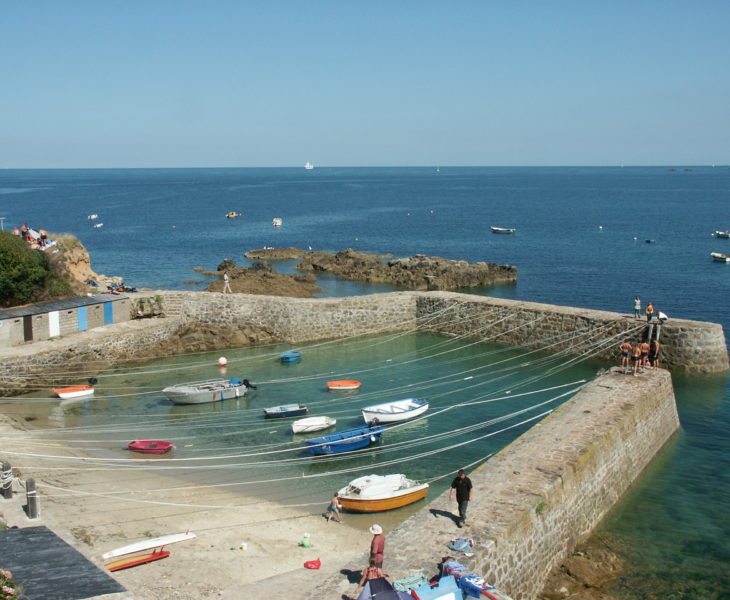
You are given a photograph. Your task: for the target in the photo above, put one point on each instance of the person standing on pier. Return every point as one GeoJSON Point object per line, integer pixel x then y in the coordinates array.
{"type": "Point", "coordinates": [654, 352]}
{"type": "Point", "coordinates": [625, 351]}
{"type": "Point", "coordinates": [636, 357]}
{"type": "Point", "coordinates": [644, 353]}
{"type": "Point", "coordinates": [377, 546]}
{"type": "Point", "coordinates": [462, 485]}
{"type": "Point", "coordinates": [637, 308]}
{"type": "Point", "coordinates": [226, 283]}
{"type": "Point", "coordinates": [649, 312]}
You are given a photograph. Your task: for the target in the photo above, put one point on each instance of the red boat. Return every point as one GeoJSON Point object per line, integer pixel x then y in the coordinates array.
{"type": "Point", "coordinates": [150, 446]}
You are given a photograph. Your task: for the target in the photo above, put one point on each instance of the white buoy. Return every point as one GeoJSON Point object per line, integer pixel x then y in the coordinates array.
{"type": "Point", "coordinates": [222, 361]}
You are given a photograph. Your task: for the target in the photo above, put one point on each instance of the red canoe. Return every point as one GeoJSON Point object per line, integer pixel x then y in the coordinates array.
{"type": "Point", "coordinates": [150, 446]}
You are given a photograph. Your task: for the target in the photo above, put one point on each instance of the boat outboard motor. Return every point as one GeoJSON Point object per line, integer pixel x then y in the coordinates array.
{"type": "Point", "coordinates": [249, 385]}
{"type": "Point", "coordinates": [93, 380]}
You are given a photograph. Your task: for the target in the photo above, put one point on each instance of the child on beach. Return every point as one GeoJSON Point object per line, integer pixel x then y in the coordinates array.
{"type": "Point", "coordinates": [334, 509]}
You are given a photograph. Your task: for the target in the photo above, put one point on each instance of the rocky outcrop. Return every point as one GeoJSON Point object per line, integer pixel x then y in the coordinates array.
{"type": "Point", "coordinates": [583, 575]}
{"type": "Point", "coordinates": [72, 261]}
{"type": "Point", "coordinates": [261, 279]}
{"type": "Point", "coordinates": [415, 273]}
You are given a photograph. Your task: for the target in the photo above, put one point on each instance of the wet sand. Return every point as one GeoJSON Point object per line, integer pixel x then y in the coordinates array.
{"type": "Point", "coordinates": [211, 566]}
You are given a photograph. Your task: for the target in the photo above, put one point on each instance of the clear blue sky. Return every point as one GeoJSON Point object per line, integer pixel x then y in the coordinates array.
{"type": "Point", "coordinates": [152, 83]}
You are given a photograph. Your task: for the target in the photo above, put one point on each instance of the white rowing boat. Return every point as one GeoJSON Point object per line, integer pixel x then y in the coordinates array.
{"type": "Point", "coordinates": [393, 412]}
{"type": "Point", "coordinates": [311, 424]}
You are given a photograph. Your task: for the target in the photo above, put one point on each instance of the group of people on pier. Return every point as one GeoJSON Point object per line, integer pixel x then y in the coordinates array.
{"type": "Point", "coordinates": [642, 355]}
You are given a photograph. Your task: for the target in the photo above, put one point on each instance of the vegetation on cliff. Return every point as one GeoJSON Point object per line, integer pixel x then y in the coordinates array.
{"type": "Point", "coordinates": [28, 275]}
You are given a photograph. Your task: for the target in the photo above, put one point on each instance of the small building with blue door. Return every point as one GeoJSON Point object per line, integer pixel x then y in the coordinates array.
{"type": "Point", "coordinates": [46, 320]}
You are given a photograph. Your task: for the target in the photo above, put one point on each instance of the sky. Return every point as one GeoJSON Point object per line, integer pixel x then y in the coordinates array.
{"type": "Point", "coordinates": [157, 83]}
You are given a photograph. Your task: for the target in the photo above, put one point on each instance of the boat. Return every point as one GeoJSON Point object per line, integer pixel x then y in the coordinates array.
{"type": "Point", "coordinates": [92, 217]}
{"type": "Point", "coordinates": [722, 234]}
{"type": "Point", "coordinates": [345, 441]}
{"type": "Point", "coordinates": [503, 230]}
{"type": "Point", "coordinates": [285, 410]}
{"type": "Point", "coordinates": [97, 225]}
{"type": "Point", "coordinates": [720, 257]}
{"type": "Point", "coordinates": [343, 384]}
{"type": "Point", "coordinates": [74, 391]}
{"type": "Point", "coordinates": [150, 446]}
{"type": "Point", "coordinates": [290, 356]}
{"type": "Point", "coordinates": [233, 214]}
{"type": "Point", "coordinates": [212, 390]}
{"type": "Point", "coordinates": [137, 559]}
{"type": "Point", "coordinates": [276, 222]}
{"type": "Point", "coordinates": [392, 412]}
{"type": "Point", "coordinates": [149, 544]}
{"type": "Point", "coordinates": [308, 166]}
{"type": "Point", "coordinates": [374, 493]}
{"type": "Point", "coordinates": [312, 424]}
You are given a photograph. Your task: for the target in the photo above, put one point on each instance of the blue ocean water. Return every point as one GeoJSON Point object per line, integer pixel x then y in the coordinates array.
{"type": "Point", "coordinates": [580, 241]}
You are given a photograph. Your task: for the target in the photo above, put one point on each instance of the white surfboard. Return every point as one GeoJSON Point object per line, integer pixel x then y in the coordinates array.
{"type": "Point", "coordinates": [149, 544]}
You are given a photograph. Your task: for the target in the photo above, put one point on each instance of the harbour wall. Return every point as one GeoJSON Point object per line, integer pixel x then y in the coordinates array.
{"type": "Point", "coordinates": [199, 321]}
{"type": "Point", "coordinates": [534, 501]}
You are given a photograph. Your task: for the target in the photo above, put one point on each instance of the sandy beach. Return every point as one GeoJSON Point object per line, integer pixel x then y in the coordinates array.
{"type": "Point", "coordinates": [98, 518]}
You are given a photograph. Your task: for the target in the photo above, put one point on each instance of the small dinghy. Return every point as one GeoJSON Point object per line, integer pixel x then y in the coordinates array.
{"type": "Point", "coordinates": [150, 446]}
{"type": "Point", "coordinates": [290, 356]}
{"type": "Point", "coordinates": [285, 410]}
{"type": "Point", "coordinates": [503, 230]}
{"type": "Point", "coordinates": [343, 384]}
{"type": "Point", "coordinates": [213, 390]}
{"type": "Point", "coordinates": [345, 441]}
{"type": "Point", "coordinates": [374, 493]}
{"type": "Point", "coordinates": [312, 424]}
{"type": "Point", "coordinates": [393, 412]}
{"type": "Point", "coordinates": [76, 391]}
{"type": "Point", "coordinates": [720, 257]}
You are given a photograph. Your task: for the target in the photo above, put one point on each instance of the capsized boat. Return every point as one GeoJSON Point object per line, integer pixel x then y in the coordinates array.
{"type": "Point", "coordinates": [392, 412]}
{"type": "Point", "coordinates": [720, 257]}
{"type": "Point", "coordinates": [503, 230]}
{"type": "Point", "coordinates": [345, 441]}
{"type": "Point", "coordinates": [150, 446]}
{"type": "Point", "coordinates": [312, 424]}
{"type": "Point", "coordinates": [212, 390]}
{"type": "Point", "coordinates": [290, 356]}
{"type": "Point", "coordinates": [374, 493]}
{"type": "Point", "coordinates": [343, 384]}
{"type": "Point", "coordinates": [285, 410]}
{"type": "Point", "coordinates": [74, 391]}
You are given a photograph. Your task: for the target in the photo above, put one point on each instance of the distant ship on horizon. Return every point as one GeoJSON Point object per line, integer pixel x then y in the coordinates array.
{"type": "Point", "coordinates": [309, 166]}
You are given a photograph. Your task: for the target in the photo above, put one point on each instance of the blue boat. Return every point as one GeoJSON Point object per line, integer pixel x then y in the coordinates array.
{"type": "Point", "coordinates": [285, 410]}
{"type": "Point", "coordinates": [345, 441]}
{"type": "Point", "coordinates": [290, 356]}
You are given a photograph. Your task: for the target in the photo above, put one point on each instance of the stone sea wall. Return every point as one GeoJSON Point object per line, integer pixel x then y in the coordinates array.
{"type": "Point", "coordinates": [543, 494]}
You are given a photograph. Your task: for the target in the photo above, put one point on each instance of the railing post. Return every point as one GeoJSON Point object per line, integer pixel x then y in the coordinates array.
{"type": "Point", "coordinates": [31, 495]}
{"type": "Point", "coordinates": [6, 481]}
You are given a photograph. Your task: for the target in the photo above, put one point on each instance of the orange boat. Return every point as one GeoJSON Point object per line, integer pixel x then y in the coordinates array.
{"type": "Point", "coordinates": [74, 391]}
{"type": "Point", "coordinates": [343, 384]}
{"type": "Point", "coordinates": [375, 493]}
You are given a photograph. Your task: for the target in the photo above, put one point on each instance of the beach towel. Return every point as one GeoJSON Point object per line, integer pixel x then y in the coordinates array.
{"type": "Point", "coordinates": [408, 583]}
{"type": "Point", "coordinates": [461, 545]}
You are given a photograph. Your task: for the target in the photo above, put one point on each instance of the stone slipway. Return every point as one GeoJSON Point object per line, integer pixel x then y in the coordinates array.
{"type": "Point", "coordinates": [540, 496]}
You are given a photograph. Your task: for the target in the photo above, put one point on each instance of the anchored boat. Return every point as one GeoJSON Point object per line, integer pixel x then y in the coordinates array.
{"type": "Point", "coordinates": [503, 230]}
{"type": "Point", "coordinates": [374, 493]}
{"type": "Point", "coordinates": [290, 356]}
{"type": "Point", "coordinates": [343, 384]}
{"type": "Point", "coordinates": [285, 410]}
{"type": "Point", "coordinates": [212, 390]}
{"type": "Point", "coordinates": [720, 257]}
{"type": "Point", "coordinates": [312, 424]}
{"type": "Point", "coordinates": [150, 446]}
{"type": "Point", "coordinates": [392, 412]}
{"type": "Point", "coordinates": [345, 441]}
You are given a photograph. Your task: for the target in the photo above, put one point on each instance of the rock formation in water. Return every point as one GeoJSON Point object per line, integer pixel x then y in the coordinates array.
{"type": "Point", "coordinates": [415, 273]}
{"type": "Point", "coordinates": [583, 575]}
{"type": "Point", "coordinates": [261, 279]}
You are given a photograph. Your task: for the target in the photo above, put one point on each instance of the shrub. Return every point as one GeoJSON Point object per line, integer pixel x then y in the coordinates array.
{"type": "Point", "coordinates": [23, 271]}
{"type": "Point", "coordinates": [8, 586]}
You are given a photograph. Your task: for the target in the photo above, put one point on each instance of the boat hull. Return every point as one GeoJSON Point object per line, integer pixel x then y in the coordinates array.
{"type": "Point", "coordinates": [150, 446]}
{"type": "Point", "coordinates": [504, 230]}
{"type": "Point", "coordinates": [279, 412]}
{"type": "Point", "coordinates": [74, 391]}
{"type": "Point", "coordinates": [344, 441]}
{"type": "Point", "coordinates": [312, 424]}
{"type": "Point", "coordinates": [343, 385]}
{"type": "Point", "coordinates": [718, 257]}
{"type": "Point", "coordinates": [395, 412]}
{"type": "Point", "coordinates": [204, 392]}
{"type": "Point", "coordinates": [368, 505]}
{"type": "Point", "coordinates": [290, 356]}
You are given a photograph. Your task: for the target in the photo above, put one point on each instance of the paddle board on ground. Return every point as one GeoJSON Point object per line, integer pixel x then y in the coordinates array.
{"type": "Point", "coordinates": [149, 544]}
{"type": "Point", "coordinates": [137, 559]}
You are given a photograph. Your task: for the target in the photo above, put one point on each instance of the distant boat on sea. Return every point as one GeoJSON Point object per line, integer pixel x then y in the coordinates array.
{"type": "Point", "coordinates": [309, 166]}
{"type": "Point", "coordinates": [276, 222]}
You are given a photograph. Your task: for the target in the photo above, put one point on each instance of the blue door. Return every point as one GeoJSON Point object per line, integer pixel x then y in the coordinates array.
{"type": "Point", "coordinates": [108, 313]}
{"type": "Point", "coordinates": [81, 312]}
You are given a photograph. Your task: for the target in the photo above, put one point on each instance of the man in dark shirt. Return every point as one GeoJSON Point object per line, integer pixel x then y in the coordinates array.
{"type": "Point", "coordinates": [377, 546]}
{"type": "Point", "coordinates": [462, 485]}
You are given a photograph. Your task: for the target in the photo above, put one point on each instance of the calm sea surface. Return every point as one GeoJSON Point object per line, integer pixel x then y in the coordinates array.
{"type": "Point", "coordinates": [580, 241]}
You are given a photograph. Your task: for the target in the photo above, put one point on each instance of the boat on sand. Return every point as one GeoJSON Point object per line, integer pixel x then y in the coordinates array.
{"type": "Point", "coordinates": [374, 493]}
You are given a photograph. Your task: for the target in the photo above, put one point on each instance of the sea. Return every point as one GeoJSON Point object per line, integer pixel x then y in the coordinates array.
{"type": "Point", "coordinates": [586, 237]}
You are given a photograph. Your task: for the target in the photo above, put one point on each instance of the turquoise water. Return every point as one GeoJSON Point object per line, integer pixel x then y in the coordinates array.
{"type": "Point", "coordinates": [580, 241]}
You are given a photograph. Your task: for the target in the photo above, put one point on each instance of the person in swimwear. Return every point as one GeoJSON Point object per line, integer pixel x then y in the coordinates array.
{"type": "Point", "coordinates": [654, 353]}
{"type": "Point", "coordinates": [644, 354]}
{"type": "Point", "coordinates": [636, 357]}
{"type": "Point", "coordinates": [625, 350]}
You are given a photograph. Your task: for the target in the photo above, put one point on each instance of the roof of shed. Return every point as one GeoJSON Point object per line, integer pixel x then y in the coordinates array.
{"type": "Point", "coordinates": [51, 305]}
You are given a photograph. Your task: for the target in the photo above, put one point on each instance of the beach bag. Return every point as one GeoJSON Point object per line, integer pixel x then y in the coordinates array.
{"type": "Point", "coordinates": [313, 564]}
{"type": "Point", "coordinates": [408, 583]}
{"type": "Point", "coordinates": [472, 585]}
{"type": "Point", "coordinates": [461, 545]}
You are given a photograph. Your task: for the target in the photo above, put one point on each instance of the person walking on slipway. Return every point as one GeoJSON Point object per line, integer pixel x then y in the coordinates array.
{"type": "Point", "coordinates": [226, 284]}
{"type": "Point", "coordinates": [463, 487]}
